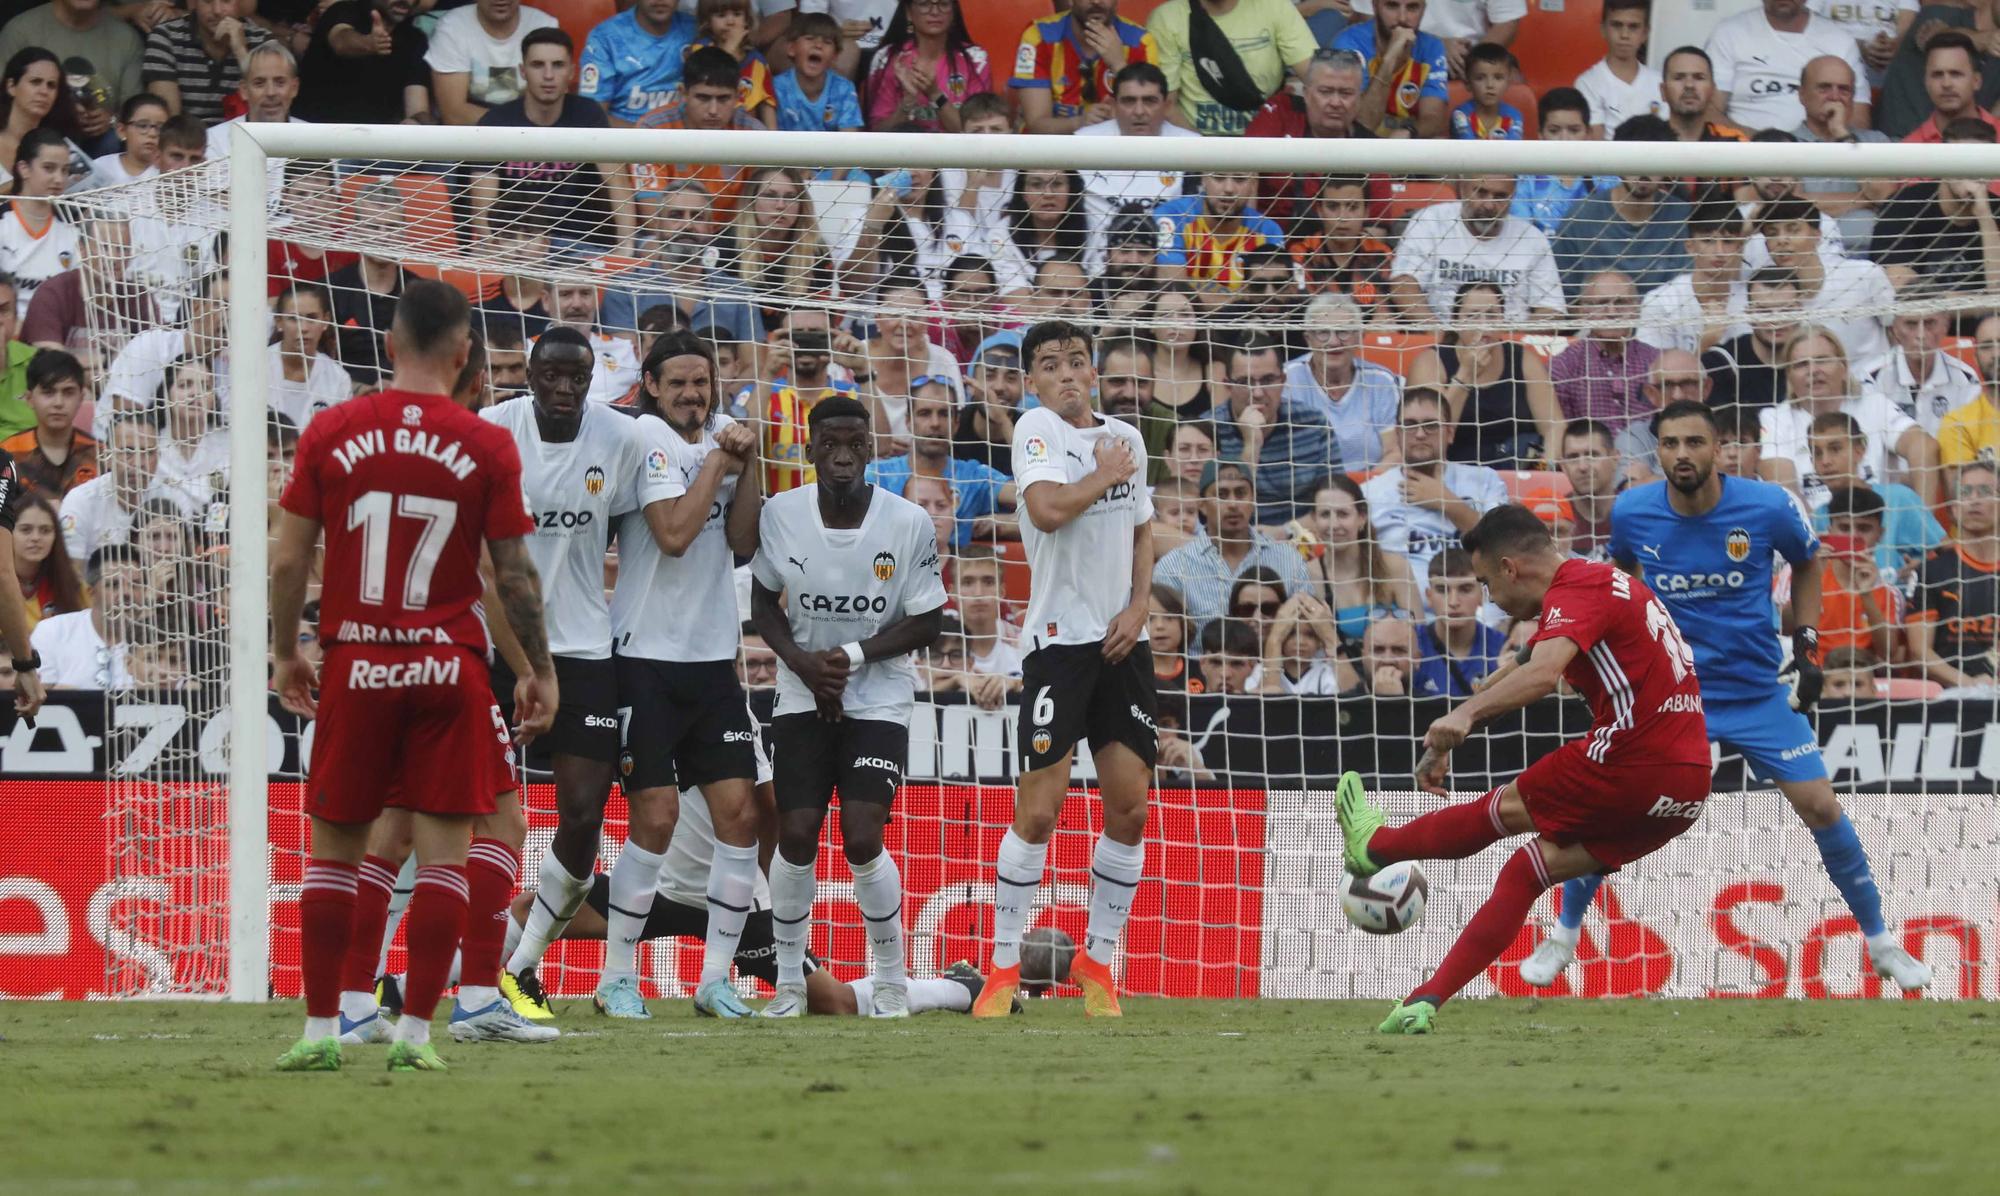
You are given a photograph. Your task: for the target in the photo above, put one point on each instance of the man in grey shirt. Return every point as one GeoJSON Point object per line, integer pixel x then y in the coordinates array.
{"type": "Point", "coordinates": [1826, 89]}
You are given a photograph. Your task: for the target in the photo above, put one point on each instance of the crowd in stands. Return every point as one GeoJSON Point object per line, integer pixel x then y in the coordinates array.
{"type": "Point", "coordinates": [1309, 484]}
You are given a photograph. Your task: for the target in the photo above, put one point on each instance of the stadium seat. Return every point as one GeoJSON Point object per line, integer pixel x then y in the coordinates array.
{"type": "Point", "coordinates": [1395, 351]}
{"type": "Point", "coordinates": [433, 224]}
{"type": "Point", "coordinates": [1014, 571]}
{"type": "Point", "coordinates": [1903, 688]}
{"type": "Point", "coordinates": [1962, 347]}
{"type": "Point", "coordinates": [579, 17]}
{"type": "Point", "coordinates": [1526, 485]}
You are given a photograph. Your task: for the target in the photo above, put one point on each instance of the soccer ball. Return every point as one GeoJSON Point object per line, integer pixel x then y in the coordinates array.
{"type": "Point", "coordinates": [1388, 902]}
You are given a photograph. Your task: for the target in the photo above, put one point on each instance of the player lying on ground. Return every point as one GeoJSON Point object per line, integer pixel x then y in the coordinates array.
{"type": "Point", "coordinates": [857, 567]}
{"type": "Point", "coordinates": [1089, 672]}
{"type": "Point", "coordinates": [682, 911]}
{"type": "Point", "coordinates": [407, 483]}
{"type": "Point", "coordinates": [1705, 542]}
{"type": "Point", "coordinates": [1595, 804]}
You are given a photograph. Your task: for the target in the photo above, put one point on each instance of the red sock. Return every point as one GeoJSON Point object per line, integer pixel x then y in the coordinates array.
{"type": "Point", "coordinates": [326, 921]}
{"type": "Point", "coordinates": [371, 916]}
{"type": "Point", "coordinates": [1522, 882]}
{"type": "Point", "coordinates": [490, 868]}
{"type": "Point", "coordinates": [1452, 833]}
{"type": "Point", "coordinates": [436, 922]}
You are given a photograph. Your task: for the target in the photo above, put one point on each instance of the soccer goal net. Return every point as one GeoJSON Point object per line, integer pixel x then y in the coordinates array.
{"type": "Point", "coordinates": [1338, 354]}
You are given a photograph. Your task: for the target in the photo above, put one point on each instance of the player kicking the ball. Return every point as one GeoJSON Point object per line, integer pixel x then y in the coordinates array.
{"type": "Point", "coordinates": [1705, 541]}
{"type": "Point", "coordinates": [858, 568]}
{"type": "Point", "coordinates": [406, 483]}
{"type": "Point", "coordinates": [1595, 804]}
{"type": "Point", "coordinates": [1089, 674]}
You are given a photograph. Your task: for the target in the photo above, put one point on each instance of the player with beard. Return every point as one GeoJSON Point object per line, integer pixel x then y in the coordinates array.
{"type": "Point", "coordinates": [580, 464]}
{"type": "Point", "coordinates": [673, 615]}
{"type": "Point", "coordinates": [1706, 543]}
{"type": "Point", "coordinates": [858, 571]}
{"type": "Point", "coordinates": [1089, 671]}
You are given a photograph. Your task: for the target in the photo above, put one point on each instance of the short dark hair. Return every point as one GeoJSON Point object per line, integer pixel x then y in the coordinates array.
{"type": "Point", "coordinates": [108, 555]}
{"type": "Point", "coordinates": [1954, 39]}
{"type": "Point", "coordinates": [49, 368]}
{"type": "Point", "coordinates": [1859, 502]}
{"type": "Point", "coordinates": [1611, 6]}
{"type": "Point", "coordinates": [710, 66]}
{"type": "Point", "coordinates": [1775, 276]}
{"type": "Point", "coordinates": [1836, 423]}
{"type": "Point", "coordinates": [1644, 127]}
{"type": "Point", "coordinates": [1970, 128]}
{"type": "Point", "coordinates": [137, 100]}
{"type": "Point", "coordinates": [1773, 137]}
{"type": "Point", "coordinates": [1251, 343]}
{"type": "Point", "coordinates": [1230, 637]}
{"type": "Point", "coordinates": [561, 334]}
{"type": "Point", "coordinates": [506, 335]}
{"type": "Point", "coordinates": [982, 104]}
{"type": "Point", "coordinates": [1588, 427]}
{"type": "Point", "coordinates": [428, 314]}
{"type": "Point", "coordinates": [475, 365]}
{"type": "Point", "coordinates": [835, 407]}
{"type": "Point", "coordinates": [814, 24]}
{"type": "Point", "coordinates": [1697, 51]}
{"type": "Point", "coordinates": [1686, 409]}
{"type": "Point", "coordinates": [183, 132]}
{"type": "Point", "coordinates": [1059, 332]}
{"type": "Point", "coordinates": [279, 431]}
{"type": "Point", "coordinates": [1715, 216]}
{"type": "Point", "coordinates": [1422, 394]}
{"type": "Point", "coordinates": [1140, 72]}
{"type": "Point", "coordinates": [1491, 53]}
{"type": "Point", "coordinates": [1508, 530]}
{"type": "Point", "coordinates": [1790, 210]}
{"type": "Point", "coordinates": [1451, 562]}
{"type": "Point", "coordinates": [1562, 99]}
{"type": "Point", "coordinates": [550, 36]}
{"type": "Point", "coordinates": [660, 317]}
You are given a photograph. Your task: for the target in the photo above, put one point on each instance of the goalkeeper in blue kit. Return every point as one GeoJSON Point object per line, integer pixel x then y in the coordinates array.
{"type": "Point", "coordinates": [1705, 543]}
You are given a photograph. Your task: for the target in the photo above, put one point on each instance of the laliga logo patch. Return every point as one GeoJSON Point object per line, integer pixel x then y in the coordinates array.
{"type": "Point", "coordinates": [593, 480]}
{"type": "Point", "coordinates": [1042, 742]}
{"type": "Point", "coordinates": [885, 566]}
{"type": "Point", "coordinates": [1737, 545]}
{"type": "Point", "coordinates": [657, 461]}
{"type": "Point", "coordinates": [1036, 449]}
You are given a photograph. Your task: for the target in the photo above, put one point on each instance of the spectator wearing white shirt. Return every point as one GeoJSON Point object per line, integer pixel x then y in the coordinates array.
{"type": "Point", "coordinates": [1421, 507]}
{"type": "Point", "coordinates": [303, 380]}
{"type": "Point", "coordinates": [100, 512]}
{"type": "Point", "coordinates": [993, 662]}
{"type": "Point", "coordinates": [76, 648]}
{"type": "Point", "coordinates": [1138, 109]}
{"type": "Point", "coordinates": [1619, 85]}
{"type": "Point", "coordinates": [1759, 55]}
{"type": "Point", "coordinates": [1860, 289]}
{"type": "Point", "coordinates": [1473, 239]}
{"type": "Point", "coordinates": [139, 370]}
{"type": "Point", "coordinates": [194, 446]}
{"type": "Point", "coordinates": [270, 85]}
{"type": "Point", "coordinates": [1921, 379]}
{"type": "Point", "coordinates": [616, 371]}
{"type": "Point", "coordinates": [1877, 27]}
{"type": "Point", "coordinates": [140, 119]}
{"type": "Point", "coordinates": [1704, 307]}
{"type": "Point", "coordinates": [475, 57]}
{"type": "Point", "coordinates": [36, 244]}
{"type": "Point", "coordinates": [1820, 381]}
{"type": "Point", "coordinates": [1463, 24]}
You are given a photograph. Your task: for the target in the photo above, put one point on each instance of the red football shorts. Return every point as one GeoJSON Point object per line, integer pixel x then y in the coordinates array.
{"type": "Point", "coordinates": [1617, 813]}
{"type": "Point", "coordinates": [412, 724]}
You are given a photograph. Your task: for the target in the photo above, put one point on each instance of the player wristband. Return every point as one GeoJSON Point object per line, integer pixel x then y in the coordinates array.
{"type": "Point", "coordinates": [854, 656]}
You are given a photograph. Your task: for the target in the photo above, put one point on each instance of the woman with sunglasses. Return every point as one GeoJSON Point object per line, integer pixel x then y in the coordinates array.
{"type": "Point", "coordinates": [925, 68]}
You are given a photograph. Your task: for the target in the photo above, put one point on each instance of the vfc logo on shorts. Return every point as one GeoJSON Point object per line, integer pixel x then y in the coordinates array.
{"type": "Point", "coordinates": [885, 566]}
{"type": "Point", "coordinates": [1737, 545]}
{"type": "Point", "coordinates": [1042, 742]}
{"type": "Point", "coordinates": [593, 480]}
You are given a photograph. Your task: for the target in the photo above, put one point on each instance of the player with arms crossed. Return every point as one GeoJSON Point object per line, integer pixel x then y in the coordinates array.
{"type": "Point", "coordinates": [1089, 673]}
{"type": "Point", "coordinates": [407, 483]}
{"type": "Point", "coordinates": [580, 467]}
{"type": "Point", "coordinates": [673, 616]}
{"type": "Point", "coordinates": [858, 568]}
{"type": "Point", "coordinates": [1595, 804]}
{"type": "Point", "coordinates": [28, 692]}
{"type": "Point", "coordinates": [1705, 541]}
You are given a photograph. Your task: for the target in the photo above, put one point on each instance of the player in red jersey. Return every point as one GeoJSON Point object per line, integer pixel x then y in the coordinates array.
{"type": "Point", "coordinates": [407, 484]}
{"type": "Point", "coordinates": [1638, 779]}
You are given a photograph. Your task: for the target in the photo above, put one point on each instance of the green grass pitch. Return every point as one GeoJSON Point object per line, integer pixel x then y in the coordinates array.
{"type": "Point", "coordinates": [1617, 1098]}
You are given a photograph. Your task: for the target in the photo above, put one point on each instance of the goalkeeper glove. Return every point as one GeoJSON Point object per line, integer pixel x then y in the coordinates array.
{"type": "Point", "coordinates": [1803, 676]}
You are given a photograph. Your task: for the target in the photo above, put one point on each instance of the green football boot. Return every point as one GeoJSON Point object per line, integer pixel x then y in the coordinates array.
{"type": "Point", "coordinates": [309, 1055]}
{"type": "Point", "coordinates": [1359, 820]}
{"type": "Point", "coordinates": [1415, 1018]}
{"type": "Point", "coordinates": [404, 1056]}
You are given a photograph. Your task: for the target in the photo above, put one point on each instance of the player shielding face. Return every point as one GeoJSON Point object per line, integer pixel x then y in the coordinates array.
{"type": "Point", "coordinates": [1637, 780]}
{"type": "Point", "coordinates": [858, 568]}
{"type": "Point", "coordinates": [1714, 538]}
{"type": "Point", "coordinates": [676, 632]}
{"type": "Point", "coordinates": [407, 484]}
{"type": "Point", "coordinates": [1089, 672]}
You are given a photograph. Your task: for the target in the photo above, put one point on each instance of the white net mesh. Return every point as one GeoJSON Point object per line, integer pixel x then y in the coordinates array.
{"type": "Point", "coordinates": [1313, 619]}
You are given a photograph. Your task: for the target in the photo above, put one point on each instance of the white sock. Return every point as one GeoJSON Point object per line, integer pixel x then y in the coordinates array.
{"type": "Point", "coordinates": [792, 889]}
{"type": "Point", "coordinates": [513, 939]}
{"type": "Point", "coordinates": [633, 879]}
{"type": "Point", "coordinates": [1566, 934]}
{"type": "Point", "coordinates": [558, 896]}
{"type": "Point", "coordinates": [1017, 874]}
{"type": "Point", "coordinates": [1114, 881]}
{"type": "Point", "coordinates": [412, 1029]}
{"type": "Point", "coordinates": [477, 996]}
{"type": "Point", "coordinates": [1879, 942]}
{"type": "Point", "coordinates": [926, 995]}
{"type": "Point", "coordinates": [356, 1005]}
{"type": "Point", "coordinates": [732, 878]}
{"type": "Point", "coordinates": [322, 1027]}
{"type": "Point", "coordinates": [399, 903]}
{"type": "Point", "coordinates": [864, 995]}
{"type": "Point", "coordinates": [878, 890]}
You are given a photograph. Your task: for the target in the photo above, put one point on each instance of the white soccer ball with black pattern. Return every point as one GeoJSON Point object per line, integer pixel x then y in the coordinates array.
{"type": "Point", "coordinates": [1389, 902]}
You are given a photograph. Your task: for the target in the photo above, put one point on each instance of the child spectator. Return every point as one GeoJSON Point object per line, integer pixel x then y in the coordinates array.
{"type": "Point", "coordinates": [1906, 530]}
{"type": "Point", "coordinates": [1544, 200]}
{"type": "Point", "coordinates": [139, 122]}
{"type": "Point", "coordinates": [1851, 675]}
{"type": "Point", "coordinates": [35, 244]}
{"type": "Point", "coordinates": [1455, 650]}
{"type": "Point", "coordinates": [1858, 608]}
{"type": "Point", "coordinates": [1488, 71]}
{"type": "Point", "coordinates": [54, 457]}
{"type": "Point", "coordinates": [811, 97]}
{"type": "Point", "coordinates": [725, 25]}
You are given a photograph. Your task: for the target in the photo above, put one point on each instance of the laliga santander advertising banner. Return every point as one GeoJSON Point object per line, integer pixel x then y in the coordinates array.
{"type": "Point", "coordinates": [1239, 898]}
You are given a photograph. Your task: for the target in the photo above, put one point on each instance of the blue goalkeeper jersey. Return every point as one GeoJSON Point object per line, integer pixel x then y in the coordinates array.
{"type": "Point", "coordinates": [630, 71]}
{"type": "Point", "coordinates": [1714, 572]}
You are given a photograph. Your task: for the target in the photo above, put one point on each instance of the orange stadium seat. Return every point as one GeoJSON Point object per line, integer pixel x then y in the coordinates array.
{"type": "Point", "coordinates": [1962, 347]}
{"type": "Point", "coordinates": [579, 17]}
{"type": "Point", "coordinates": [1395, 351]}
{"type": "Point", "coordinates": [1014, 571]}
{"type": "Point", "coordinates": [433, 226]}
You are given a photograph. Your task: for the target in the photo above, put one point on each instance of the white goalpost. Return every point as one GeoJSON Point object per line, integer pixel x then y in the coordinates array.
{"type": "Point", "coordinates": [1282, 839]}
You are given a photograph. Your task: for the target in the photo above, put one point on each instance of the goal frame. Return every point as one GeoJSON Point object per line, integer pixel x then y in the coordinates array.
{"type": "Point", "coordinates": [252, 146]}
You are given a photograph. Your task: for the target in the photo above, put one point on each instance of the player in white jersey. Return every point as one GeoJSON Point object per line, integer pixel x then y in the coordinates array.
{"type": "Point", "coordinates": [683, 911]}
{"type": "Point", "coordinates": [858, 569]}
{"type": "Point", "coordinates": [1089, 673]}
{"type": "Point", "coordinates": [683, 722]}
{"type": "Point", "coordinates": [580, 469]}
